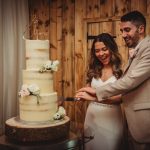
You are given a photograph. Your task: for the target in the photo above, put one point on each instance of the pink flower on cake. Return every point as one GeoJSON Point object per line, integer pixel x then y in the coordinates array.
{"type": "Point", "coordinates": [31, 89]}
{"type": "Point", "coordinates": [24, 91]}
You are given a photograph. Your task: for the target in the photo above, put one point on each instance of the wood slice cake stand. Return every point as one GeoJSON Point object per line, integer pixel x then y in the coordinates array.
{"type": "Point", "coordinates": [18, 130]}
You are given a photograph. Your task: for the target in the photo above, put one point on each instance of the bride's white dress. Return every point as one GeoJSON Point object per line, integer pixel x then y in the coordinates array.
{"type": "Point", "coordinates": [104, 122]}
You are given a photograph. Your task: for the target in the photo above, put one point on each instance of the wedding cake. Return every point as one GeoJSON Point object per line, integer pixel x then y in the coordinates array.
{"type": "Point", "coordinates": [41, 104]}
{"type": "Point", "coordinates": [39, 115]}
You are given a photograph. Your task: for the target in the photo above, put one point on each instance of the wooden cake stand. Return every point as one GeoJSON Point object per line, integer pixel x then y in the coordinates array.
{"type": "Point", "coordinates": [18, 130]}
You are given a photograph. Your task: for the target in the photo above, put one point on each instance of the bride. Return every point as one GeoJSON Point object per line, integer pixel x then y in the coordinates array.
{"type": "Point", "coordinates": [103, 121]}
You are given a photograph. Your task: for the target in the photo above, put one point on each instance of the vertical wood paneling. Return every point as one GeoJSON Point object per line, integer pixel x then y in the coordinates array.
{"type": "Point", "coordinates": [121, 44]}
{"type": "Point", "coordinates": [79, 63]}
{"type": "Point", "coordinates": [95, 11]}
{"type": "Point", "coordinates": [68, 45]}
{"type": "Point", "coordinates": [89, 9]}
{"type": "Point", "coordinates": [53, 30]}
{"type": "Point", "coordinates": [53, 36]}
{"type": "Point", "coordinates": [80, 112]}
{"type": "Point", "coordinates": [148, 7]}
{"type": "Point", "coordinates": [140, 5]}
{"type": "Point", "coordinates": [121, 7]}
{"type": "Point", "coordinates": [148, 25]}
{"type": "Point", "coordinates": [79, 54]}
{"type": "Point", "coordinates": [85, 45]}
{"type": "Point", "coordinates": [93, 8]}
{"type": "Point", "coordinates": [59, 74]}
{"type": "Point", "coordinates": [95, 28]}
{"type": "Point", "coordinates": [89, 32]}
{"type": "Point", "coordinates": [106, 8]}
{"type": "Point", "coordinates": [39, 19]}
{"type": "Point", "coordinates": [68, 14]}
{"type": "Point", "coordinates": [44, 20]}
{"type": "Point", "coordinates": [107, 27]}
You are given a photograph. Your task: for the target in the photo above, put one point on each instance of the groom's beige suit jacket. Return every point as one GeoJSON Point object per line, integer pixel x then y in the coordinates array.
{"type": "Point", "coordinates": [135, 89]}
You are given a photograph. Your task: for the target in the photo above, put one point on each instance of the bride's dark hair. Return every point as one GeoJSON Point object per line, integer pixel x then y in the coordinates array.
{"type": "Point", "coordinates": [95, 66]}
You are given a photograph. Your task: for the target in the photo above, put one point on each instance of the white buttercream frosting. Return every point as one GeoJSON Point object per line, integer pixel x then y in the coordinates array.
{"type": "Point", "coordinates": [41, 107]}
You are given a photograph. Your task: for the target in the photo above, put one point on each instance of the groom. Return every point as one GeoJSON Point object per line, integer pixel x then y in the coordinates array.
{"type": "Point", "coordinates": [134, 84]}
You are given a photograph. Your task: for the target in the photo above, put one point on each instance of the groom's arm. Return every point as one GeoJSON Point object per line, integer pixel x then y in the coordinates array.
{"type": "Point", "coordinates": [131, 80]}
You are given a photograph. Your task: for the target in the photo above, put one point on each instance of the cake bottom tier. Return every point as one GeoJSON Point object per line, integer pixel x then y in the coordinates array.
{"type": "Point", "coordinates": [30, 110]}
{"type": "Point", "coordinates": [17, 130]}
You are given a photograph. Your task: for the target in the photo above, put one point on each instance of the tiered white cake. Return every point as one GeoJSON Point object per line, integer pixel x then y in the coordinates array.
{"type": "Point", "coordinates": [39, 119]}
{"type": "Point", "coordinates": [37, 54]}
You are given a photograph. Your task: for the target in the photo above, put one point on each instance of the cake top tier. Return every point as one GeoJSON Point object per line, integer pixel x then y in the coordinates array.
{"type": "Point", "coordinates": [37, 44]}
{"type": "Point", "coordinates": [37, 53]}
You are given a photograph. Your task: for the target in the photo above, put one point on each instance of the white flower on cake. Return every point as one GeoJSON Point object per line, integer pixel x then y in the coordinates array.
{"type": "Point", "coordinates": [57, 116]}
{"type": "Point", "coordinates": [31, 89]}
{"type": "Point", "coordinates": [50, 65]}
{"type": "Point", "coordinates": [34, 89]}
{"type": "Point", "coordinates": [61, 113]}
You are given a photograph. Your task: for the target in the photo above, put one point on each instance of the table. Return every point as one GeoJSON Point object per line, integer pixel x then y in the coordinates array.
{"type": "Point", "coordinates": [72, 142]}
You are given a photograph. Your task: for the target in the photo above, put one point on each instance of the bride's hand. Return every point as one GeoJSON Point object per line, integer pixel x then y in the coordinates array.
{"type": "Point", "coordinates": [85, 96]}
{"type": "Point", "coordinates": [89, 90]}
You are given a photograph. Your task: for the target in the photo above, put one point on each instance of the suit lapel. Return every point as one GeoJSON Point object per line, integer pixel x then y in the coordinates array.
{"type": "Point", "coordinates": [128, 65]}
{"type": "Point", "coordinates": [135, 53]}
{"type": "Point", "coordinates": [130, 60]}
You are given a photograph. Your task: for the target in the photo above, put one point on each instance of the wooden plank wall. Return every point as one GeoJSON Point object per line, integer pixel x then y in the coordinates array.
{"type": "Point", "coordinates": [65, 23]}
